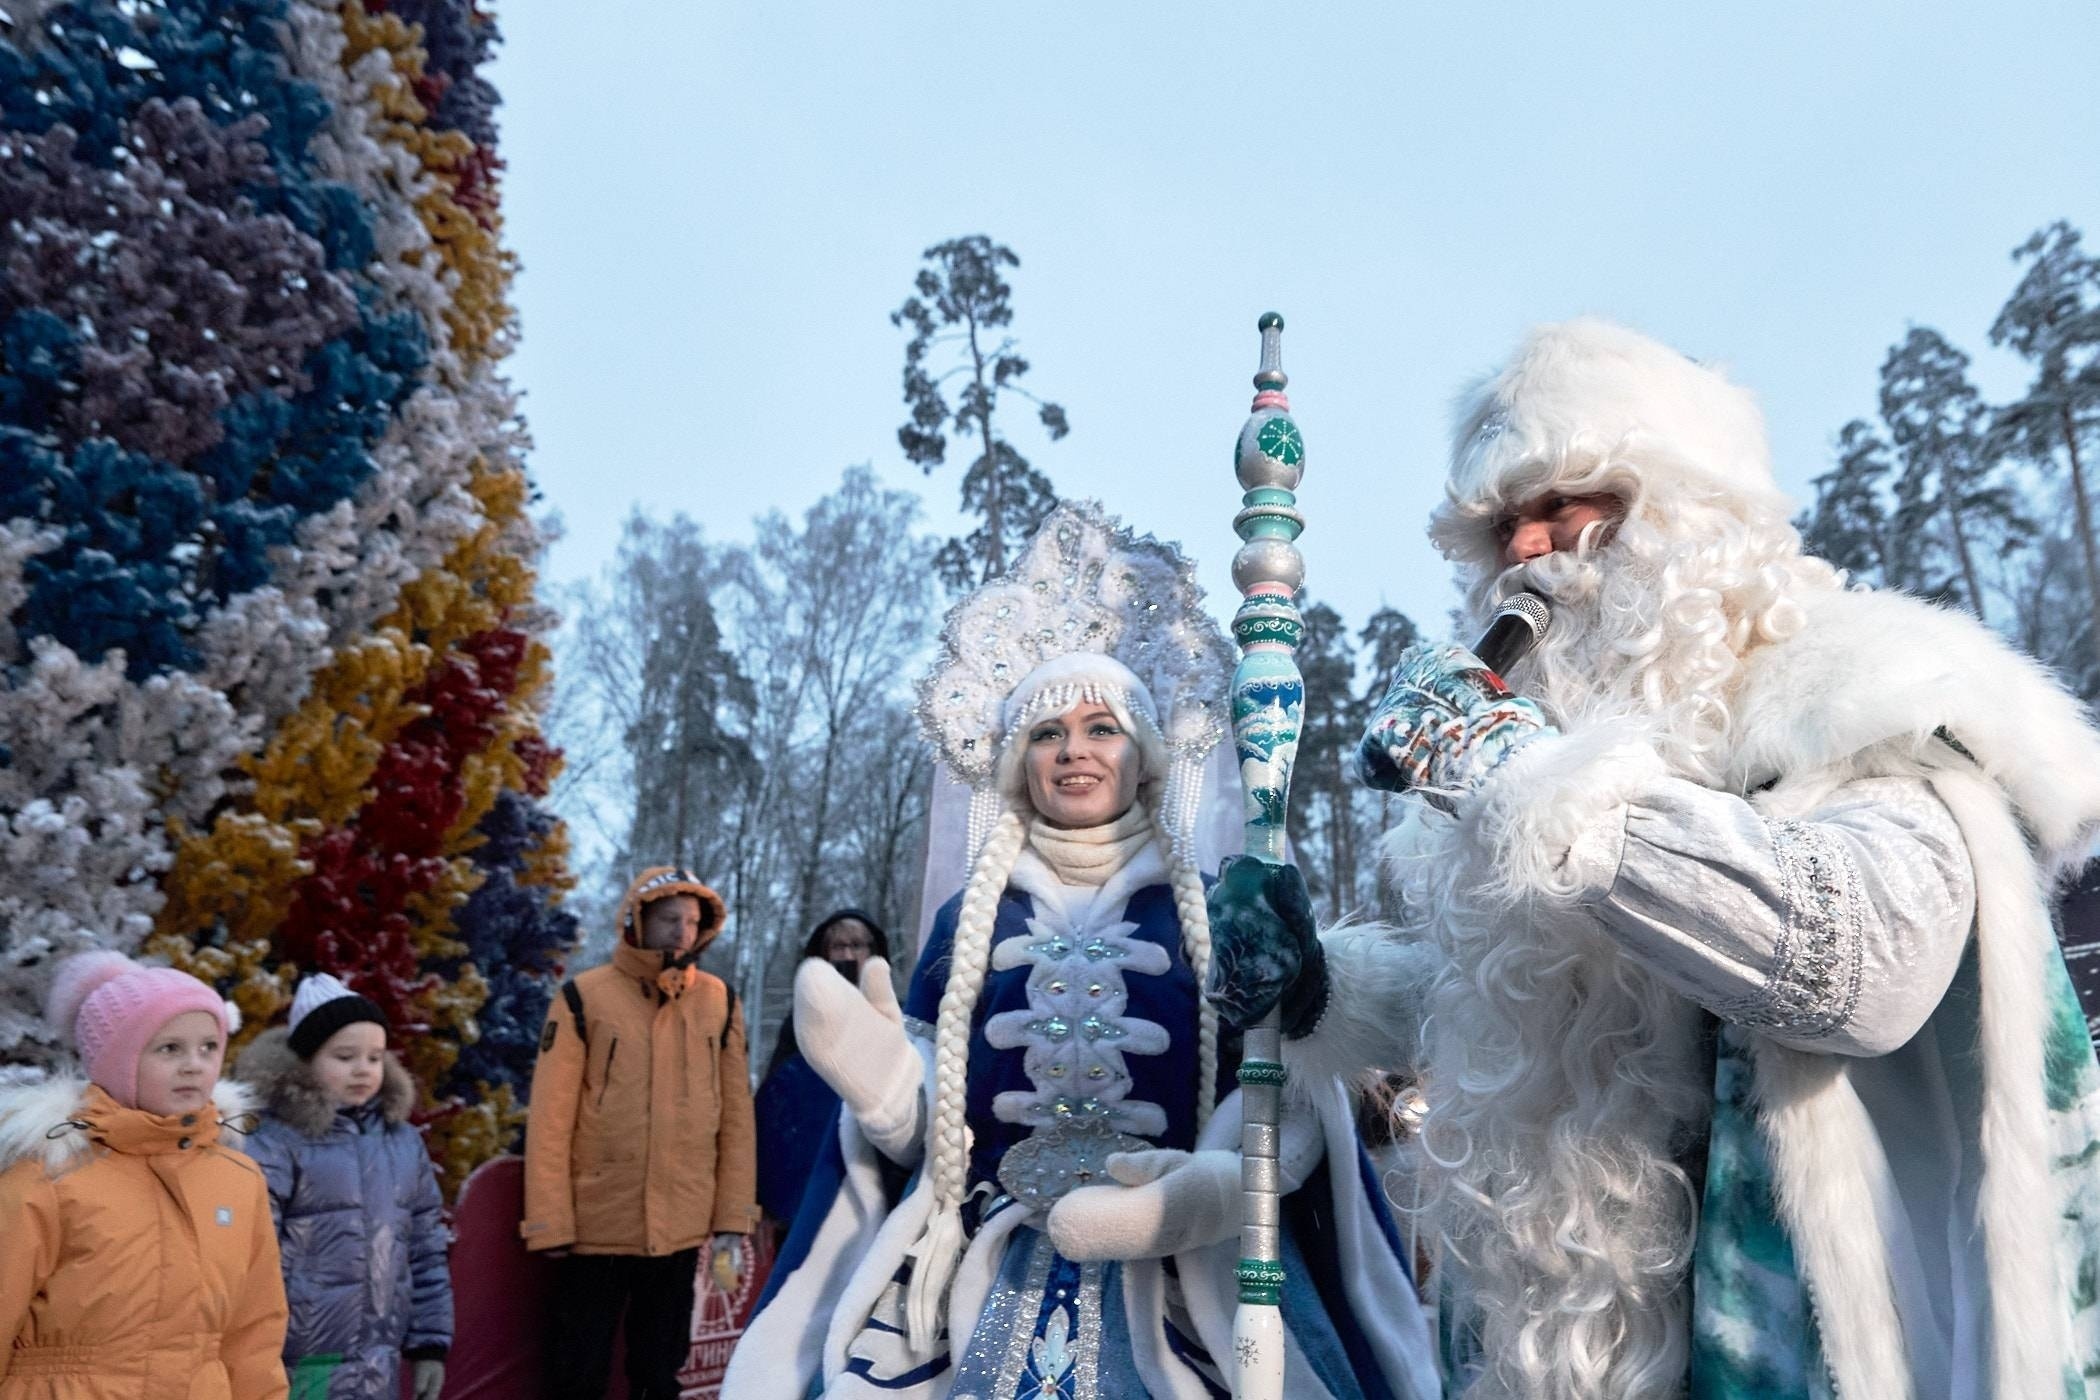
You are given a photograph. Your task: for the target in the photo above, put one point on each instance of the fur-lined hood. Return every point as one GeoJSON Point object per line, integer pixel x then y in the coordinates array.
{"type": "Point", "coordinates": [662, 882]}
{"type": "Point", "coordinates": [46, 1115]}
{"type": "Point", "coordinates": [286, 1086]}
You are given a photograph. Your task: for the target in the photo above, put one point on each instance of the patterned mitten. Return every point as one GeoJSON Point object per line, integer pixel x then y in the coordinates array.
{"type": "Point", "coordinates": [1264, 948]}
{"type": "Point", "coordinates": [1446, 722]}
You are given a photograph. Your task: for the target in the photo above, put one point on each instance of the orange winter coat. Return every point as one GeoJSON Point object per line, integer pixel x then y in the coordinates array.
{"type": "Point", "coordinates": [640, 1139]}
{"type": "Point", "coordinates": [137, 1258]}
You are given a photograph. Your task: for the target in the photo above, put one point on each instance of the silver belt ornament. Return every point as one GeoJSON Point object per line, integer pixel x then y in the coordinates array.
{"type": "Point", "coordinates": [1062, 1156]}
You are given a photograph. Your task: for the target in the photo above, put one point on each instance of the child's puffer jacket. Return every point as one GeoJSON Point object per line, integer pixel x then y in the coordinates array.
{"type": "Point", "coordinates": [360, 1225]}
{"type": "Point", "coordinates": [136, 1259]}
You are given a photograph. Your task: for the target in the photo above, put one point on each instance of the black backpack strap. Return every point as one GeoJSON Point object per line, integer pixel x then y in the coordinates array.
{"type": "Point", "coordinates": [573, 995]}
{"type": "Point", "coordinates": [729, 1012]}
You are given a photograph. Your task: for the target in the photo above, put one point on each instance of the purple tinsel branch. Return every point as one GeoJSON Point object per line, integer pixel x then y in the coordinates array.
{"type": "Point", "coordinates": [182, 296]}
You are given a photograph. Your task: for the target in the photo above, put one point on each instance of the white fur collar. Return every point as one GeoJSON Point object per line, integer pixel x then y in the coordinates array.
{"type": "Point", "coordinates": [30, 1109]}
{"type": "Point", "coordinates": [1033, 876]}
{"type": "Point", "coordinates": [39, 1117]}
{"type": "Point", "coordinates": [1875, 669]}
{"type": "Point", "coordinates": [1872, 684]}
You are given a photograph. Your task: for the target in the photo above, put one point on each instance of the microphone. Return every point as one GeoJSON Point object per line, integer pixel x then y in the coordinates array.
{"type": "Point", "coordinates": [1517, 626]}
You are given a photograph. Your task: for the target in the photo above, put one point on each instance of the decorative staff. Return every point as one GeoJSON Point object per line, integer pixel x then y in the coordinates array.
{"type": "Point", "coordinates": [1268, 705]}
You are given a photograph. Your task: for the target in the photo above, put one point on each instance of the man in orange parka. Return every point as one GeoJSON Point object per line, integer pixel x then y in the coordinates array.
{"type": "Point", "coordinates": [640, 1144]}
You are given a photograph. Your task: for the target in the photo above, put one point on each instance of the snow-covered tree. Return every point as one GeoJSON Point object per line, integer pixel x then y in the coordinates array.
{"type": "Point", "coordinates": [2052, 320]}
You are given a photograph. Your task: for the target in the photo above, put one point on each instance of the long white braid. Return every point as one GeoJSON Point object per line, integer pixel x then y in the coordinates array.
{"type": "Point", "coordinates": [940, 1249]}
{"type": "Point", "coordinates": [1194, 911]}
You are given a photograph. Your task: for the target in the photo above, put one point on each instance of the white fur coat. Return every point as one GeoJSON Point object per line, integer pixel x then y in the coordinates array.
{"type": "Point", "coordinates": [1875, 686]}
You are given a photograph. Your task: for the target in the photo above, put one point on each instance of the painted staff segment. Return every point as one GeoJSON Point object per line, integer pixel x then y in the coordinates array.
{"type": "Point", "coordinates": [1268, 707]}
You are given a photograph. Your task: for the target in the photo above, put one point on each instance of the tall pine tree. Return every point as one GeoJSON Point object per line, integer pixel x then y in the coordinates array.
{"type": "Point", "coordinates": [1323, 817]}
{"type": "Point", "coordinates": [958, 315]}
{"type": "Point", "coordinates": [2052, 320]}
{"type": "Point", "coordinates": [1848, 525]}
{"type": "Point", "coordinates": [691, 704]}
{"type": "Point", "coordinates": [1388, 633]}
{"type": "Point", "coordinates": [1947, 482]}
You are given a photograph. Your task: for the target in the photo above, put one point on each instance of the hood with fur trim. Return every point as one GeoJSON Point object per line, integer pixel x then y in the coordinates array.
{"type": "Point", "coordinates": [288, 1089]}
{"type": "Point", "coordinates": [41, 1116]}
{"type": "Point", "coordinates": [661, 882]}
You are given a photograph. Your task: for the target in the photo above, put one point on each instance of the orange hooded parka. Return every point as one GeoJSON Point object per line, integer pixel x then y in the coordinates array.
{"type": "Point", "coordinates": [640, 1139]}
{"type": "Point", "coordinates": [137, 1257]}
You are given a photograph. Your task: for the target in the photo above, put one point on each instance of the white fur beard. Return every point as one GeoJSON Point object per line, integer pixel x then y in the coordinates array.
{"type": "Point", "coordinates": [1631, 639]}
{"type": "Point", "coordinates": [1652, 627]}
{"type": "Point", "coordinates": [1562, 1082]}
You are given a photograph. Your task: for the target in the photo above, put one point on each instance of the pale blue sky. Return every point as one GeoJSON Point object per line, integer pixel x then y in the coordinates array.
{"type": "Point", "coordinates": [718, 205]}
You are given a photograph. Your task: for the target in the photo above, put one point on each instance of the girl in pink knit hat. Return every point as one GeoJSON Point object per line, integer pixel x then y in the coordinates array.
{"type": "Point", "coordinates": [140, 1259]}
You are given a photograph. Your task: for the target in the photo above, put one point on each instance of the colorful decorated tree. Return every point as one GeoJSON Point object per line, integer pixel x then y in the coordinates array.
{"type": "Point", "coordinates": [269, 656]}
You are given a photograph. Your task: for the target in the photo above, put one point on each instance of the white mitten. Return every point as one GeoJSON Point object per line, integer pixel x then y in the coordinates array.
{"type": "Point", "coordinates": [855, 1041]}
{"type": "Point", "coordinates": [1168, 1201]}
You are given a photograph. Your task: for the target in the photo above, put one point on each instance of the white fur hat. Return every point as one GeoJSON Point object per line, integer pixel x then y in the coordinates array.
{"type": "Point", "coordinates": [1584, 393]}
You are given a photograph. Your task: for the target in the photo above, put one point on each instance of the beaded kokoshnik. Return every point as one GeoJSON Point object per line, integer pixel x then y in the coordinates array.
{"type": "Point", "coordinates": [1085, 585]}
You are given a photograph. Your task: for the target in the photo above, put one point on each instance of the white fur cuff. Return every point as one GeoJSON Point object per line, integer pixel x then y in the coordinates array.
{"type": "Point", "coordinates": [1375, 986]}
{"type": "Point", "coordinates": [1552, 820]}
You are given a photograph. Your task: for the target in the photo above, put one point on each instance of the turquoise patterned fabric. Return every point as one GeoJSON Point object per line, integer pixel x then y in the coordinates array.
{"type": "Point", "coordinates": [1754, 1333]}
{"type": "Point", "coordinates": [2074, 1122]}
{"type": "Point", "coordinates": [1753, 1329]}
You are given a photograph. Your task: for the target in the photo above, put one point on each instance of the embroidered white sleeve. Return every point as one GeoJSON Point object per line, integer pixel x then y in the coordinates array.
{"type": "Point", "coordinates": [1812, 986]}
{"type": "Point", "coordinates": [1837, 933]}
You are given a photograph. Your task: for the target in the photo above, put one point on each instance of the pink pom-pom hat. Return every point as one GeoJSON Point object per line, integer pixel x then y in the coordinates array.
{"type": "Point", "coordinates": [110, 1007]}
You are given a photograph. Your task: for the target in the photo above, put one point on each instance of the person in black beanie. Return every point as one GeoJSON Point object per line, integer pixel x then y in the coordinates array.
{"type": "Point", "coordinates": [360, 1223]}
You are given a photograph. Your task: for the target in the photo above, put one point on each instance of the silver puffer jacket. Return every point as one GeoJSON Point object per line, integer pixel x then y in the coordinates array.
{"type": "Point", "coordinates": [360, 1225]}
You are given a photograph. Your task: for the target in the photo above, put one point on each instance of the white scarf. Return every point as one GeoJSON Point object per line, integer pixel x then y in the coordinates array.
{"type": "Point", "coordinates": [1089, 856]}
